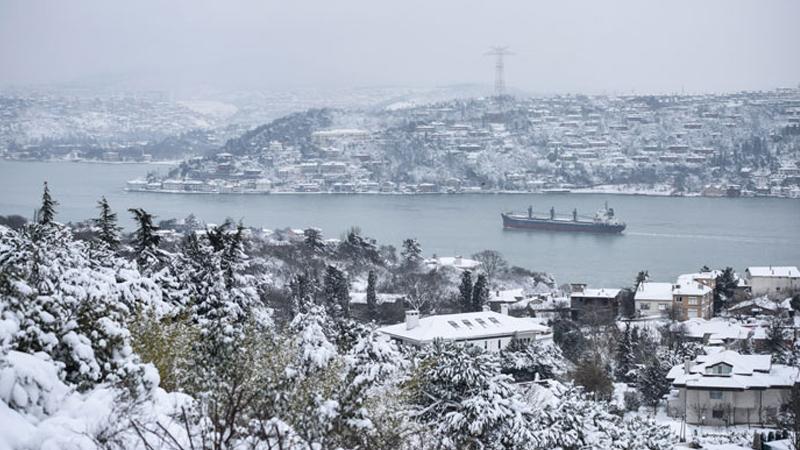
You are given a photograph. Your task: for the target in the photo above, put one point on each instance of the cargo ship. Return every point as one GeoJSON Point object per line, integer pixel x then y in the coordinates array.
{"type": "Point", "coordinates": [603, 221]}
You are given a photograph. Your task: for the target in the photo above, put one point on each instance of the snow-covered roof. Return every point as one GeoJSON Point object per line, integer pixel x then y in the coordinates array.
{"type": "Point", "coordinates": [774, 271]}
{"type": "Point", "coordinates": [453, 261]}
{"type": "Point", "coordinates": [763, 302]}
{"type": "Point", "coordinates": [689, 286]}
{"type": "Point", "coordinates": [506, 295]}
{"type": "Point", "coordinates": [464, 326]}
{"type": "Point", "coordinates": [596, 293]}
{"type": "Point", "coordinates": [361, 297]}
{"type": "Point", "coordinates": [718, 328]}
{"type": "Point", "coordinates": [650, 290]}
{"type": "Point", "coordinates": [747, 372]}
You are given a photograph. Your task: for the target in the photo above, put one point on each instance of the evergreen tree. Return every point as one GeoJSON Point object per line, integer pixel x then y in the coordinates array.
{"type": "Point", "coordinates": [372, 299]}
{"type": "Point", "coordinates": [480, 293]}
{"type": "Point", "coordinates": [337, 293]}
{"type": "Point", "coordinates": [625, 356]}
{"type": "Point", "coordinates": [724, 289]}
{"type": "Point", "coordinates": [47, 213]}
{"type": "Point", "coordinates": [652, 382]}
{"type": "Point", "coordinates": [465, 291]}
{"type": "Point", "coordinates": [312, 238]}
{"type": "Point", "coordinates": [641, 277]}
{"type": "Point", "coordinates": [146, 239]}
{"type": "Point", "coordinates": [107, 225]}
{"type": "Point", "coordinates": [460, 394]}
{"type": "Point", "coordinates": [526, 361]}
{"type": "Point", "coordinates": [411, 254]}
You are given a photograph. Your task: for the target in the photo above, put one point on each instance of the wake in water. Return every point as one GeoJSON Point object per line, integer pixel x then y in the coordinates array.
{"type": "Point", "coordinates": [716, 237]}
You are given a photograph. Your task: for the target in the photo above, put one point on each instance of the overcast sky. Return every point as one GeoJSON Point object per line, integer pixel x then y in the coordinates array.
{"type": "Point", "coordinates": [561, 46]}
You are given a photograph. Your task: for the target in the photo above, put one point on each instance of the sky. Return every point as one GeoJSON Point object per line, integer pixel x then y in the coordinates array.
{"type": "Point", "coordinates": [614, 46]}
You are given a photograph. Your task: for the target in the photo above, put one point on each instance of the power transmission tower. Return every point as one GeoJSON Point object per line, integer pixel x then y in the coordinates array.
{"type": "Point", "coordinates": [499, 69]}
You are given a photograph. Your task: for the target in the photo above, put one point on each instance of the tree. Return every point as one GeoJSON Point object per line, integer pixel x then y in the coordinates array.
{"type": "Point", "coordinates": [789, 416]}
{"type": "Point", "coordinates": [492, 263]}
{"type": "Point", "coordinates": [336, 292]}
{"type": "Point", "coordinates": [312, 238]}
{"type": "Point", "coordinates": [372, 299]}
{"type": "Point", "coordinates": [569, 338]}
{"type": "Point", "coordinates": [480, 293]}
{"type": "Point", "coordinates": [641, 277]}
{"type": "Point", "coordinates": [652, 382]}
{"type": "Point", "coordinates": [625, 356]}
{"type": "Point", "coordinates": [527, 360]}
{"type": "Point", "coordinates": [107, 225]}
{"type": "Point", "coordinates": [724, 288]}
{"type": "Point", "coordinates": [795, 302]}
{"type": "Point", "coordinates": [47, 213]}
{"type": "Point", "coordinates": [411, 254]}
{"type": "Point", "coordinates": [145, 239]}
{"type": "Point", "coordinates": [591, 374]}
{"type": "Point", "coordinates": [460, 394]}
{"type": "Point", "coordinates": [465, 291]}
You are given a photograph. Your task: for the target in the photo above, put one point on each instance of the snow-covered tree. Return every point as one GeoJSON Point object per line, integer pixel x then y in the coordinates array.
{"type": "Point", "coordinates": [47, 213]}
{"type": "Point", "coordinates": [106, 223]}
{"type": "Point", "coordinates": [411, 254]}
{"type": "Point", "coordinates": [460, 394]}
{"type": "Point", "coordinates": [526, 361]}
{"type": "Point", "coordinates": [652, 382]}
{"type": "Point", "coordinates": [480, 293]}
{"type": "Point", "coordinates": [372, 298]}
{"type": "Point", "coordinates": [465, 291]}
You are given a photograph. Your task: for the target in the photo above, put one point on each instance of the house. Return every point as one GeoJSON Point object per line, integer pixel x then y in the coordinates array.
{"type": "Point", "coordinates": [486, 329]}
{"type": "Point", "coordinates": [719, 331]}
{"type": "Point", "coordinates": [602, 303]}
{"type": "Point", "coordinates": [456, 262]}
{"type": "Point", "coordinates": [653, 299]}
{"type": "Point", "coordinates": [774, 281]}
{"type": "Point", "coordinates": [693, 297]}
{"type": "Point", "coordinates": [758, 306]}
{"type": "Point", "coordinates": [727, 388]}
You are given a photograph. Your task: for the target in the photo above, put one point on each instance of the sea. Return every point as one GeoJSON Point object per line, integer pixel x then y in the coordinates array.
{"type": "Point", "coordinates": [666, 236]}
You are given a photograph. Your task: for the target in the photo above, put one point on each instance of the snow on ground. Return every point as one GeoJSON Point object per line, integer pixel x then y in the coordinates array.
{"type": "Point", "coordinates": [211, 108]}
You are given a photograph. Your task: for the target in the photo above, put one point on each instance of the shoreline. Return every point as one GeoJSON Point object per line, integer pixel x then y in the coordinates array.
{"type": "Point", "coordinates": [500, 192]}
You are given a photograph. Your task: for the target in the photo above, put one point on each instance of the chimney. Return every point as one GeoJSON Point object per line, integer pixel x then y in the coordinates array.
{"type": "Point", "coordinates": [504, 309]}
{"type": "Point", "coordinates": [412, 319]}
{"type": "Point", "coordinates": [687, 365]}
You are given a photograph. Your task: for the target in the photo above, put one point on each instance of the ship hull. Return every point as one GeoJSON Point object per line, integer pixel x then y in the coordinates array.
{"type": "Point", "coordinates": [526, 223]}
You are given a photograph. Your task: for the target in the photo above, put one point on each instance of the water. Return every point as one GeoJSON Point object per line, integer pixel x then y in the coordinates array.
{"type": "Point", "coordinates": [666, 236]}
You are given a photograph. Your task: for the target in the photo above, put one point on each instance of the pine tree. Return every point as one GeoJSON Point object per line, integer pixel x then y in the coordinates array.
{"type": "Point", "coordinates": [652, 382]}
{"type": "Point", "coordinates": [372, 299]}
{"type": "Point", "coordinates": [47, 213]}
{"type": "Point", "coordinates": [460, 394]}
{"type": "Point", "coordinates": [465, 291]}
{"type": "Point", "coordinates": [312, 239]}
{"type": "Point", "coordinates": [625, 357]}
{"type": "Point", "coordinates": [146, 239]}
{"type": "Point", "coordinates": [411, 254]}
{"type": "Point", "coordinates": [527, 360]}
{"type": "Point", "coordinates": [480, 293]}
{"type": "Point", "coordinates": [337, 293]}
{"type": "Point", "coordinates": [107, 224]}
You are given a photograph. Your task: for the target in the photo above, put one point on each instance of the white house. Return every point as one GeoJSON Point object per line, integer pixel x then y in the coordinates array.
{"type": "Point", "coordinates": [457, 262]}
{"type": "Point", "coordinates": [728, 388]}
{"type": "Point", "coordinates": [773, 280]}
{"type": "Point", "coordinates": [488, 330]}
{"type": "Point", "coordinates": [653, 299]}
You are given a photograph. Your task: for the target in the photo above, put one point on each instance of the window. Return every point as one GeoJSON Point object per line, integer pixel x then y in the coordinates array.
{"type": "Point", "coordinates": [467, 323]}
{"type": "Point", "coordinates": [718, 414]}
{"type": "Point", "coordinates": [719, 369]}
{"type": "Point", "coordinates": [693, 301]}
{"type": "Point", "coordinates": [481, 322]}
{"type": "Point", "coordinates": [485, 344]}
{"type": "Point", "coordinates": [499, 344]}
{"type": "Point", "coordinates": [452, 324]}
{"type": "Point", "coordinates": [716, 395]}
{"type": "Point", "coordinates": [680, 299]}
{"type": "Point", "coordinates": [644, 306]}
{"type": "Point", "coordinates": [662, 307]}
{"type": "Point", "coordinates": [494, 320]}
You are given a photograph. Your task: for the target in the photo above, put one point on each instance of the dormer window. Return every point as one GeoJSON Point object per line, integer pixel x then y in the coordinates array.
{"type": "Point", "coordinates": [719, 369]}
